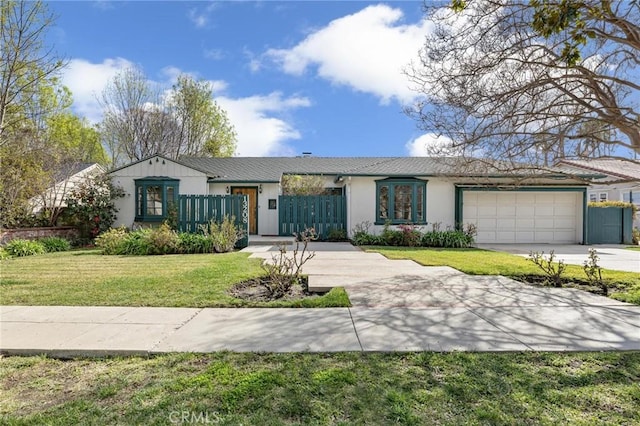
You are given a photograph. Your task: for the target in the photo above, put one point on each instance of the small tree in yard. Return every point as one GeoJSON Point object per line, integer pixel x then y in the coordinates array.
{"type": "Point", "coordinates": [594, 271]}
{"type": "Point", "coordinates": [284, 271]}
{"type": "Point", "coordinates": [91, 205]}
{"type": "Point", "coordinates": [552, 270]}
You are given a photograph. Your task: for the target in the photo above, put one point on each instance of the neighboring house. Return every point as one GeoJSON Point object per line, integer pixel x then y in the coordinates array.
{"type": "Point", "coordinates": [547, 207]}
{"type": "Point", "coordinates": [66, 178]}
{"type": "Point", "coordinates": [620, 183]}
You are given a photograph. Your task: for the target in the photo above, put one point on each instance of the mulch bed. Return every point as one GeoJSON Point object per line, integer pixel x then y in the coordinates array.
{"type": "Point", "coordinates": [254, 290]}
{"type": "Point", "coordinates": [542, 281]}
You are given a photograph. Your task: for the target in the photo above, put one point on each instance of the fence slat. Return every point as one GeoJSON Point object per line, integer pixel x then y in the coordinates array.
{"type": "Point", "coordinates": [324, 213]}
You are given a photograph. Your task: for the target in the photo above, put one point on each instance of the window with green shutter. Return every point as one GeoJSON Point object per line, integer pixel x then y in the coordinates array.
{"type": "Point", "coordinates": [153, 197]}
{"type": "Point", "coordinates": [401, 200]}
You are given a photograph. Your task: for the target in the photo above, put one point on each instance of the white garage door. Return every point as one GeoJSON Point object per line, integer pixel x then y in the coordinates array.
{"type": "Point", "coordinates": [523, 217]}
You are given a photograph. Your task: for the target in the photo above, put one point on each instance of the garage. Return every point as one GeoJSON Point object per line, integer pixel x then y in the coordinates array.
{"type": "Point", "coordinates": [531, 216]}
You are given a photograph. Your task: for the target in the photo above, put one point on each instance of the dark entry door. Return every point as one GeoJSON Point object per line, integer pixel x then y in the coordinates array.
{"type": "Point", "coordinates": [252, 195]}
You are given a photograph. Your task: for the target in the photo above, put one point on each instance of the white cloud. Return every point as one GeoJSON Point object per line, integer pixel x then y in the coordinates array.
{"type": "Point", "coordinates": [428, 145]}
{"type": "Point", "coordinates": [261, 129]}
{"type": "Point", "coordinates": [87, 80]}
{"type": "Point", "coordinates": [214, 54]}
{"type": "Point", "coordinates": [365, 51]}
{"type": "Point", "coordinates": [200, 16]}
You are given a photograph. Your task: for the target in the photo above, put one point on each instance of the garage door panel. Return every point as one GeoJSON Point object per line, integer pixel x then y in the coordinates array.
{"type": "Point", "coordinates": [523, 217]}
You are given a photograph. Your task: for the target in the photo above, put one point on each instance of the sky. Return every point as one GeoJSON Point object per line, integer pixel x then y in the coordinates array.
{"type": "Point", "coordinates": [294, 76]}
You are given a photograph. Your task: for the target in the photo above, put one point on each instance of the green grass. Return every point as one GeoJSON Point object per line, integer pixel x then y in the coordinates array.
{"type": "Point", "coordinates": [344, 388]}
{"type": "Point", "coordinates": [634, 248]}
{"type": "Point", "coordinates": [87, 278]}
{"type": "Point", "coordinates": [485, 262]}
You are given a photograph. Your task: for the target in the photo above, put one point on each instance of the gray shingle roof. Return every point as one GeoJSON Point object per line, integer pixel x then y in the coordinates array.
{"type": "Point", "coordinates": [616, 168]}
{"type": "Point", "coordinates": [270, 169]}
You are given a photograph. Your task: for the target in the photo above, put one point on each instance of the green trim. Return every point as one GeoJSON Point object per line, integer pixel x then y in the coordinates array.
{"type": "Point", "coordinates": [458, 208]}
{"type": "Point", "coordinates": [391, 183]}
{"type": "Point", "coordinates": [523, 188]}
{"type": "Point", "coordinates": [140, 199]}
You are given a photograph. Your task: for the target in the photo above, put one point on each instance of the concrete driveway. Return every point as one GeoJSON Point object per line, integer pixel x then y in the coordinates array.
{"type": "Point", "coordinates": [614, 257]}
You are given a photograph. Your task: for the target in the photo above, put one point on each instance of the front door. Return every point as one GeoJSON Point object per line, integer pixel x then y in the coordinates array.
{"type": "Point", "coordinates": [252, 195]}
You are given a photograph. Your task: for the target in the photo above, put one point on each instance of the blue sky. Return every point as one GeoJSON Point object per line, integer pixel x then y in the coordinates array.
{"type": "Point", "coordinates": [294, 76]}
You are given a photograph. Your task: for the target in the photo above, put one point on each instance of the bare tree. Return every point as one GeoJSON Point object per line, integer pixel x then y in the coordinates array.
{"type": "Point", "coordinates": [26, 62]}
{"type": "Point", "coordinates": [499, 83]}
{"type": "Point", "coordinates": [140, 119]}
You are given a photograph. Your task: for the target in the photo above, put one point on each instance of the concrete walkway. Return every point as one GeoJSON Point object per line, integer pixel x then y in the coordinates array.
{"type": "Point", "coordinates": [397, 306]}
{"type": "Point", "coordinates": [615, 257]}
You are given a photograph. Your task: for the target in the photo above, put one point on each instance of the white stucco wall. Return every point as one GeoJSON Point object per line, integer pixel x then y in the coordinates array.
{"type": "Point", "coordinates": [191, 182]}
{"type": "Point", "coordinates": [361, 202]}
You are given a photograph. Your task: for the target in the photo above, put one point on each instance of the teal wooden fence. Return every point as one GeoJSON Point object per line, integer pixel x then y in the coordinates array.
{"type": "Point", "coordinates": [321, 212]}
{"type": "Point", "coordinates": [609, 225]}
{"type": "Point", "coordinates": [196, 210]}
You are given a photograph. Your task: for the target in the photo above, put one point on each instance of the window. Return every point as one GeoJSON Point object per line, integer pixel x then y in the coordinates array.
{"type": "Point", "coordinates": [401, 201]}
{"type": "Point", "coordinates": [603, 196]}
{"type": "Point", "coordinates": [593, 197]}
{"type": "Point", "coordinates": [153, 197]}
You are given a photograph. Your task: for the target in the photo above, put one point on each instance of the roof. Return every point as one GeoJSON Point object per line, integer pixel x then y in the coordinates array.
{"type": "Point", "coordinates": [270, 169]}
{"type": "Point", "coordinates": [628, 170]}
{"type": "Point", "coordinates": [67, 170]}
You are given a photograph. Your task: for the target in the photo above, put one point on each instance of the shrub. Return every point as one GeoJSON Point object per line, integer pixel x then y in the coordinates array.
{"type": "Point", "coordinates": [551, 270]}
{"type": "Point", "coordinates": [594, 272]}
{"type": "Point", "coordinates": [91, 205]}
{"type": "Point", "coordinates": [223, 236]}
{"type": "Point", "coordinates": [163, 240]}
{"type": "Point", "coordinates": [20, 248]}
{"type": "Point", "coordinates": [635, 236]}
{"type": "Point", "coordinates": [137, 243]}
{"type": "Point", "coordinates": [410, 235]}
{"type": "Point", "coordinates": [194, 243]}
{"type": "Point", "coordinates": [284, 271]}
{"type": "Point", "coordinates": [337, 235]}
{"type": "Point", "coordinates": [54, 244]}
{"type": "Point", "coordinates": [4, 255]}
{"type": "Point", "coordinates": [112, 241]}
{"type": "Point", "coordinates": [446, 239]}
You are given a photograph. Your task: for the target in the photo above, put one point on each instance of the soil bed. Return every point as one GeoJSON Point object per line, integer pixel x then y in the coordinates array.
{"type": "Point", "coordinates": [254, 290]}
{"type": "Point", "coordinates": [542, 281]}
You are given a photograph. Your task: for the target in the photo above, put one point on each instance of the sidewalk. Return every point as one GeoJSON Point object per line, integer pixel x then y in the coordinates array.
{"type": "Point", "coordinates": [398, 305]}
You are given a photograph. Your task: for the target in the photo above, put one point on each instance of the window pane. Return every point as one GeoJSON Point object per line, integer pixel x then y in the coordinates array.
{"type": "Point", "coordinates": [154, 200]}
{"type": "Point", "coordinates": [384, 202]}
{"type": "Point", "coordinates": [419, 203]}
{"type": "Point", "coordinates": [139, 200]}
{"type": "Point", "coordinates": [170, 194]}
{"type": "Point", "coordinates": [592, 198]}
{"type": "Point", "coordinates": [603, 196]}
{"type": "Point", "coordinates": [402, 202]}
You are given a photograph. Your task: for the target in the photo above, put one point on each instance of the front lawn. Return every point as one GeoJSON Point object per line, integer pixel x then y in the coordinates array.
{"type": "Point", "coordinates": [485, 262]}
{"type": "Point", "coordinates": [634, 248]}
{"type": "Point", "coordinates": [324, 389]}
{"type": "Point", "coordinates": [87, 278]}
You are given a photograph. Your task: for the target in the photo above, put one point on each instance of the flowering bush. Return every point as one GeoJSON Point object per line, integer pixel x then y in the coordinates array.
{"type": "Point", "coordinates": [91, 205]}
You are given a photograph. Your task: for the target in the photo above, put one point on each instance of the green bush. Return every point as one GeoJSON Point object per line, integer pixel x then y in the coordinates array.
{"type": "Point", "coordinates": [54, 244]}
{"type": "Point", "coordinates": [163, 240]}
{"type": "Point", "coordinates": [20, 248]}
{"type": "Point", "coordinates": [137, 243]}
{"type": "Point", "coordinates": [4, 255]}
{"type": "Point", "coordinates": [112, 241]}
{"type": "Point", "coordinates": [337, 234]}
{"type": "Point", "coordinates": [194, 243]}
{"type": "Point", "coordinates": [223, 236]}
